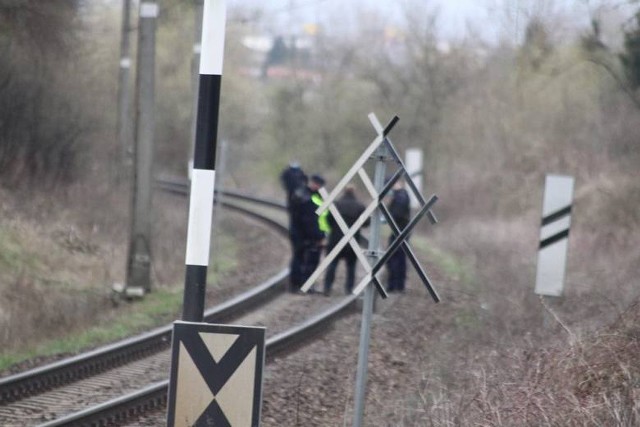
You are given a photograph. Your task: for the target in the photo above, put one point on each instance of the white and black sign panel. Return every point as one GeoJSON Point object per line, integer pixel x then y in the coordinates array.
{"type": "Point", "coordinates": [216, 375]}
{"type": "Point", "coordinates": [413, 163]}
{"type": "Point", "coordinates": [554, 235]}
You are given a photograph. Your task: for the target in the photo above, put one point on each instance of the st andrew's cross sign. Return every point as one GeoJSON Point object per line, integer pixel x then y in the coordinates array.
{"type": "Point", "coordinates": [400, 240]}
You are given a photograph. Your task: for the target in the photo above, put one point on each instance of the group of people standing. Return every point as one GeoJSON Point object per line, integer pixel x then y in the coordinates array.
{"type": "Point", "coordinates": [310, 233]}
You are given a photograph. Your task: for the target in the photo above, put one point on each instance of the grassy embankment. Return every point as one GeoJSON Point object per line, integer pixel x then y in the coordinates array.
{"type": "Point", "coordinates": [47, 308]}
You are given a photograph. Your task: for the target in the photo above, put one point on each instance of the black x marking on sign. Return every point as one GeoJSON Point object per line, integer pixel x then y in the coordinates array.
{"type": "Point", "coordinates": [407, 250]}
{"type": "Point", "coordinates": [400, 236]}
{"type": "Point", "coordinates": [217, 374]}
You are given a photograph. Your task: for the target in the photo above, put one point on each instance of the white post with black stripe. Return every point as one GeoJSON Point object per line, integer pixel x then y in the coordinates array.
{"type": "Point", "coordinates": [413, 163]}
{"type": "Point", "coordinates": [554, 235]}
{"type": "Point", "coordinates": [198, 9]}
{"type": "Point", "coordinates": [204, 160]}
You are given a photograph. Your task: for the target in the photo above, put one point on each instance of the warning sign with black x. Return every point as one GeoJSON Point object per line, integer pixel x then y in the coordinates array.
{"type": "Point", "coordinates": [400, 235]}
{"type": "Point", "coordinates": [216, 375]}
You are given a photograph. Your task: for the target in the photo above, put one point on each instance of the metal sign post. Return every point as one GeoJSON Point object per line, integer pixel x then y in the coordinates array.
{"type": "Point", "coordinates": [382, 151]}
{"type": "Point", "coordinates": [367, 306]}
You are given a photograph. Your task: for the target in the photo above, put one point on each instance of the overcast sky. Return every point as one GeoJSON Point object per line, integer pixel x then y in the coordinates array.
{"type": "Point", "coordinates": [453, 13]}
{"type": "Point", "coordinates": [489, 18]}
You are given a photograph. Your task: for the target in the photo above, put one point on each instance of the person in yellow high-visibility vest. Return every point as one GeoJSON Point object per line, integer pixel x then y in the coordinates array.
{"type": "Point", "coordinates": [323, 218]}
{"type": "Point", "coordinates": [313, 229]}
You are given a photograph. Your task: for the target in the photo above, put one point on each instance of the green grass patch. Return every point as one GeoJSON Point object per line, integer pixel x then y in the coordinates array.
{"type": "Point", "coordinates": [454, 268]}
{"type": "Point", "coordinates": [224, 258]}
{"type": "Point", "coordinates": [451, 265]}
{"type": "Point", "coordinates": [157, 308]}
{"type": "Point", "coordinates": [12, 254]}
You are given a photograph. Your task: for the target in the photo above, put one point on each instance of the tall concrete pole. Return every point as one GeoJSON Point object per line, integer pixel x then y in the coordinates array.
{"type": "Point", "coordinates": [204, 160]}
{"type": "Point", "coordinates": [139, 259]}
{"type": "Point", "coordinates": [123, 119]}
{"type": "Point", "coordinates": [195, 77]}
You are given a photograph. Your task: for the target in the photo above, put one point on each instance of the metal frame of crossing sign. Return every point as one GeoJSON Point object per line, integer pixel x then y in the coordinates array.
{"type": "Point", "coordinates": [216, 375]}
{"type": "Point", "coordinates": [381, 150]}
{"type": "Point", "coordinates": [400, 236]}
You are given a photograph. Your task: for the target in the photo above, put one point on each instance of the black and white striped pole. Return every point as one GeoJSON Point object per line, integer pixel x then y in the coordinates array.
{"type": "Point", "coordinates": [554, 235]}
{"type": "Point", "coordinates": [204, 160]}
{"type": "Point", "coordinates": [198, 9]}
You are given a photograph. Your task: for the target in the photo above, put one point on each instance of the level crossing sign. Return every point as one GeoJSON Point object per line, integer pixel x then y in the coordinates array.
{"type": "Point", "coordinates": [381, 144]}
{"type": "Point", "coordinates": [382, 151]}
{"type": "Point", "coordinates": [216, 375]}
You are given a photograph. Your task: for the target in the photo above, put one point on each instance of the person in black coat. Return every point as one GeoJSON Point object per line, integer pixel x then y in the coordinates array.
{"type": "Point", "coordinates": [350, 209]}
{"type": "Point", "coordinates": [307, 239]}
{"type": "Point", "coordinates": [400, 210]}
{"type": "Point", "coordinates": [293, 178]}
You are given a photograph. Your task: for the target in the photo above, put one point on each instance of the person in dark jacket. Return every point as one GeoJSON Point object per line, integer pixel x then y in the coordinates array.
{"type": "Point", "coordinates": [309, 238]}
{"type": "Point", "coordinates": [400, 210]}
{"type": "Point", "coordinates": [293, 179]}
{"type": "Point", "coordinates": [350, 209]}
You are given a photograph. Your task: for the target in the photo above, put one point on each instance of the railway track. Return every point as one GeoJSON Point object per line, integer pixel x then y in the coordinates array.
{"type": "Point", "coordinates": [34, 381]}
{"type": "Point", "coordinates": [130, 376]}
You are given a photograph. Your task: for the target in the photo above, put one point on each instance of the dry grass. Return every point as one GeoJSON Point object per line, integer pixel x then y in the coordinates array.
{"type": "Point", "coordinates": [61, 253]}
{"type": "Point", "coordinates": [511, 359]}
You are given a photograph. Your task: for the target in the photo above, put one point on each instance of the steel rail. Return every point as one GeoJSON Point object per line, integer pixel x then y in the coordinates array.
{"type": "Point", "coordinates": [154, 396]}
{"type": "Point", "coordinates": [181, 186]}
{"type": "Point", "coordinates": [37, 380]}
{"type": "Point", "coordinates": [121, 409]}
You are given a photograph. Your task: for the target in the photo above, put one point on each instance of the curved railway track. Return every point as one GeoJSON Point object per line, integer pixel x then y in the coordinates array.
{"type": "Point", "coordinates": [145, 356]}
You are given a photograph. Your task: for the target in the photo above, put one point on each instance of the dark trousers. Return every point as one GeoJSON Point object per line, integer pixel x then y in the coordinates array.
{"type": "Point", "coordinates": [397, 268]}
{"type": "Point", "coordinates": [331, 273]}
{"type": "Point", "coordinates": [296, 267]}
{"type": "Point", "coordinates": [311, 259]}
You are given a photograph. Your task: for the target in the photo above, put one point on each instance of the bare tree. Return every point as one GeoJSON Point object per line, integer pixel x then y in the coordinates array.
{"type": "Point", "coordinates": [40, 124]}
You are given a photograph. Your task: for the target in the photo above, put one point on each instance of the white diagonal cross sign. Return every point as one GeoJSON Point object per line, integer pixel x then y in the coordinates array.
{"type": "Point", "coordinates": [341, 244]}
{"type": "Point", "coordinates": [348, 235]}
{"type": "Point", "coordinates": [378, 127]}
{"type": "Point", "coordinates": [353, 242]}
{"type": "Point", "coordinates": [359, 163]}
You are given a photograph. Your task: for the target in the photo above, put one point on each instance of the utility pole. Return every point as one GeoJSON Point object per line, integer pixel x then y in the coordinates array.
{"type": "Point", "coordinates": [124, 122]}
{"type": "Point", "coordinates": [139, 259]}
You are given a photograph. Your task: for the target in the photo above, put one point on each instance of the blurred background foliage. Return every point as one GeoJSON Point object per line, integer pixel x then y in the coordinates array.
{"type": "Point", "coordinates": [492, 117]}
{"type": "Point", "coordinates": [548, 101]}
{"type": "Point", "coordinates": [555, 91]}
